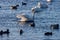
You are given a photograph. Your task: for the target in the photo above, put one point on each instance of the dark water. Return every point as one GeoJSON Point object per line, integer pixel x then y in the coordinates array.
{"type": "Point", "coordinates": [43, 20]}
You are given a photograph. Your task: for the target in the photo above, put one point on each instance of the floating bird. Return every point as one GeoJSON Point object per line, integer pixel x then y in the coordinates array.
{"type": "Point", "coordinates": [21, 32]}
{"type": "Point", "coordinates": [17, 5]}
{"type": "Point", "coordinates": [0, 6]}
{"type": "Point", "coordinates": [32, 24]}
{"type": "Point", "coordinates": [24, 18]}
{"type": "Point", "coordinates": [24, 3]}
{"type": "Point", "coordinates": [48, 34]}
{"type": "Point", "coordinates": [1, 32]}
{"type": "Point", "coordinates": [54, 26]}
{"type": "Point", "coordinates": [36, 8]}
{"type": "Point", "coordinates": [39, 7]}
{"type": "Point", "coordinates": [6, 32]}
{"type": "Point", "coordinates": [14, 7]}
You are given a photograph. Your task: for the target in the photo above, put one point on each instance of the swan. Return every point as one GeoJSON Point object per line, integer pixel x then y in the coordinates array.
{"type": "Point", "coordinates": [24, 18]}
{"type": "Point", "coordinates": [39, 7]}
{"type": "Point", "coordinates": [36, 8]}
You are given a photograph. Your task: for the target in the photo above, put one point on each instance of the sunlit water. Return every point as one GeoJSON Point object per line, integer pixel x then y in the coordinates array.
{"type": "Point", "coordinates": [43, 20]}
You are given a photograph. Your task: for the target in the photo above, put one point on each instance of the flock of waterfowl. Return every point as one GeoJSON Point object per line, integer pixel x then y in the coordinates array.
{"type": "Point", "coordinates": [26, 19]}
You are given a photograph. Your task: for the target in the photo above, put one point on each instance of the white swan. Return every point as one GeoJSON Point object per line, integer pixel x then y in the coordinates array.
{"type": "Point", "coordinates": [24, 18]}
{"type": "Point", "coordinates": [39, 7]}
{"type": "Point", "coordinates": [36, 8]}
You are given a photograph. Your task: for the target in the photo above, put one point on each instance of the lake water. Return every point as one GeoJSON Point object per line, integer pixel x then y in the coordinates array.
{"type": "Point", "coordinates": [43, 20]}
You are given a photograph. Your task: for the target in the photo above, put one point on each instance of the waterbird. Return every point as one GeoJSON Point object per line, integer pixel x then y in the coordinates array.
{"type": "Point", "coordinates": [39, 7]}
{"type": "Point", "coordinates": [48, 34]}
{"type": "Point", "coordinates": [6, 32]}
{"type": "Point", "coordinates": [14, 7]}
{"type": "Point", "coordinates": [54, 26]}
{"type": "Point", "coordinates": [32, 24]}
{"type": "Point", "coordinates": [24, 3]}
{"type": "Point", "coordinates": [21, 32]}
{"type": "Point", "coordinates": [1, 32]}
{"type": "Point", "coordinates": [0, 6]}
{"type": "Point", "coordinates": [24, 18]}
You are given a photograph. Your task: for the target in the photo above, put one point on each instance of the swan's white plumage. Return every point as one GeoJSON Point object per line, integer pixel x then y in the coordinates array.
{"type": "Point", "coordinates": [39, 7]}
{"type": "Point", "coordinates": [22, 17]}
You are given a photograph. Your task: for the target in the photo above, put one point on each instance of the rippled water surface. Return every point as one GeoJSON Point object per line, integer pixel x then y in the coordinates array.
{"type": "Point", "coordinates": [43, 20]}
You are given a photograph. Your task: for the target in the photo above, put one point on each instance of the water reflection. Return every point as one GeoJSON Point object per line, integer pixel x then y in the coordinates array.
{"type": "Point", "coordinates": [48, 39]}
{"type": "Point", "coordinates": [51, 39]}
{"type": "Point", "coordinates": [4, 37]}
{"type": "Point", "coordinates": [24, 22]}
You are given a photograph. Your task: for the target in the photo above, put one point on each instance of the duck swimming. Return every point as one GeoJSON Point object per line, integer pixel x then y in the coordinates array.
{"type": "Point", "coordinates": [21, 32]}
{"type": "Point", "coordinates": [14, 7]}
{"type": "Point", "coordinates": [54, 26]}
{"type": "Point", "coordinates": [48, 34]}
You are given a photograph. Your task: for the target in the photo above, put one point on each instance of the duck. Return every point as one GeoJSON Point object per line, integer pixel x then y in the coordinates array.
{"type": "Point", "coordinates": [0, 6]}
{"type": "Point", "coordinates": [6, 32]}
{"type": "Point", "coordinates": [54, 26]}
{"type": "Point", "coordinates": [1, 32]}
{"type": "Point", "coordinates": [24, 3]}
{"type": "Point", "coordinates": [32, 24]}
{"type": "Point", "coordinates": [48, 33]}
{"type": "Point", "coordinates": [14, 7]}
{"type": "Point", "coordinates": [21, 32]}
